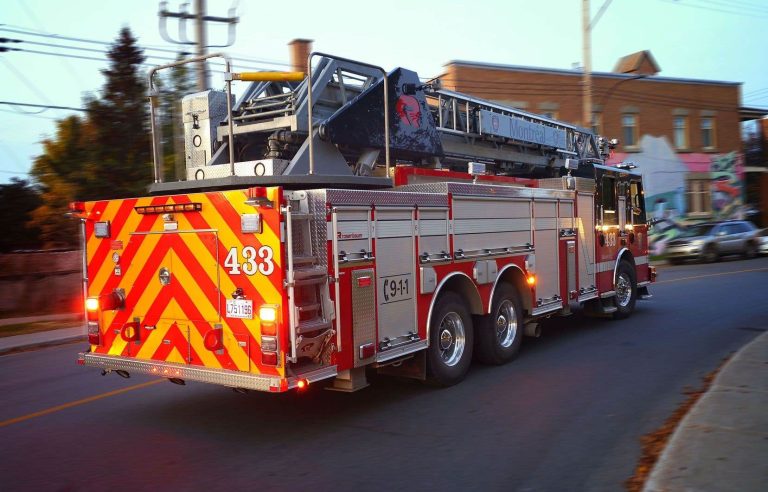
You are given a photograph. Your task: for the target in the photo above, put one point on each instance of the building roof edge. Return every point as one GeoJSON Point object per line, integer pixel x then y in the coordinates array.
{"type": "Point", "coordinates": [579, 73]}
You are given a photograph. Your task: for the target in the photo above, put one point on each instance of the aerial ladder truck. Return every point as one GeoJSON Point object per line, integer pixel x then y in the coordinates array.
{"type": "Point", "coordinates": [349, 220]}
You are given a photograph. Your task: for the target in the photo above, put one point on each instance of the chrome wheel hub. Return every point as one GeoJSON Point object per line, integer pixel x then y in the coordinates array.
{"type": "Point", "coordinates": [452, 339]}
{"type": "Point", "coordinates": [623, 290]}
{"type": "Point", "coordinates": [506, 323]}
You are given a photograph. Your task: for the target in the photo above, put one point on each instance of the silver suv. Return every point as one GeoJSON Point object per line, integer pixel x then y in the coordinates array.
{"type": "Point", "coordinates": [711, 240]}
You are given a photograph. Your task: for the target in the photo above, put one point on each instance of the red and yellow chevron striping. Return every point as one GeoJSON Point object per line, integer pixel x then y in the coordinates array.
{"type": "Point", "coordinates": [207, 258]}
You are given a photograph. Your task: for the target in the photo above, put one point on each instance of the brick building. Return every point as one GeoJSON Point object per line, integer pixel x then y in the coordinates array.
{"type": "Point", "coordinates": [684, 135]}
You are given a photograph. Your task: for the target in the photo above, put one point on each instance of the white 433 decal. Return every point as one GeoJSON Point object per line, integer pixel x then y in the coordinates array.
{"type": "Point", "coordinates": [254, 261]}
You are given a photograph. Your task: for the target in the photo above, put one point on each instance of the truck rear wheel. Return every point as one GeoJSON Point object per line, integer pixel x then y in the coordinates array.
{"type": "Point", "coordinates": [450, 340]}
{"type": "Point", "coordinates": [626, 290]}
{"type": "Point", "coordinates": [501, 332]}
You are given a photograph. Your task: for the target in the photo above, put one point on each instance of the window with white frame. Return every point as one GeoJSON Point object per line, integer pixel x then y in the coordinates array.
{"type": "Point", "coordinates": [698, 196]}
{"type": "Point", "coordinates": [597, 123]}
{"type": "Point", "coordinates": [629, 130]}
{"type": "Point", "coordinates": [680, 132]}
{"type": "Point", "coordinates": [708, 132]}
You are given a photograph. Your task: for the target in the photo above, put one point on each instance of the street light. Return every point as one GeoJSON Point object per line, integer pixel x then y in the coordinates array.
{"type": "Point", "coordinates": [612, 89]}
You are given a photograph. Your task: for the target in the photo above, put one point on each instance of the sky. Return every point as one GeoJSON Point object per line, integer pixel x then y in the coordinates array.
{"type": "Point", "coordinates": [701, 39]}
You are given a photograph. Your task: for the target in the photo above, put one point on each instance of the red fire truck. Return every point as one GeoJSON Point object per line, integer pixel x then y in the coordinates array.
{"type": "Point", "coordinates": [352, 219]}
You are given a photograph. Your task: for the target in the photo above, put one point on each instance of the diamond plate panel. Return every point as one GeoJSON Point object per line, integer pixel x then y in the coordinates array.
{"type": "Point", "coordinates": [485, 190]}
{"type": "Point", "coordinates": [316, 205]}
{"type": "Point", "coordinates": [385, 198]}
{"type": "Point", "coordinates": [363, 312]}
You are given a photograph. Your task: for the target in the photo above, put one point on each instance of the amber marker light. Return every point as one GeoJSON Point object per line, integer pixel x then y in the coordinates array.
{"type": "Point", "coordinates": [302, 384]}
{"type": "Point", "coordinates": [531, 279]}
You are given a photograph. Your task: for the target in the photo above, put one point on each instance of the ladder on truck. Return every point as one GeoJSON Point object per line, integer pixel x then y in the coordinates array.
{"type": "Point", "coordinates": [310, 309]}
{"type": "Point", "coordinates": [521, 142]}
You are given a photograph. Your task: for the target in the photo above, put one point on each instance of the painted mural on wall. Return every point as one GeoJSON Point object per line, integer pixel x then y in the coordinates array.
{"type": "Point", "coordinates": [664, 177]}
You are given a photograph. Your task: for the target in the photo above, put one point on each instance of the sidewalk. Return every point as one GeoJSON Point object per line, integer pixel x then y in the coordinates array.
{"type": "Point", "coordinates": [722, 444]}
{"type": "Point", "coordinates": [48, 317]}
{"type": "Point", "coordinates": [75, 331]}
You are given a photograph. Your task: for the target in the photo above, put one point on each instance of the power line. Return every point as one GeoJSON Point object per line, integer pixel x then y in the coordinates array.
{"type": "Point", "coordinates": [91, 58]}
{"type": "Point", "coordinates": [715, 9]}
{"type": "Point", "coordinates": [28, 83]}
{"type": "Point", "coordinates": [145, 48]}
{"type": "Point", "coordinates": [46, 106]}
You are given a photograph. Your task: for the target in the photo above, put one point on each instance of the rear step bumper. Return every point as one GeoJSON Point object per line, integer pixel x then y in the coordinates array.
{"type": "Point", "coordinates": [223, 377]}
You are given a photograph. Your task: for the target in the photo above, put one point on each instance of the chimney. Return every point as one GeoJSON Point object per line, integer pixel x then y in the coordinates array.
{"type": "Point", "coordinates": [300, 49]}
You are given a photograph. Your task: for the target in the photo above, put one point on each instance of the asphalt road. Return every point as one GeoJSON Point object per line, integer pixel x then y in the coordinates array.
{"type": "Point", "coordinates": [567, 415]}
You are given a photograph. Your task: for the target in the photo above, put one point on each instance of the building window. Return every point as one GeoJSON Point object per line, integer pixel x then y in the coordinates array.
{"type": "Point", "coordinates": [698, 197]}
{"type": "Point", "coordinates": [597, 123]}
{"type": "Point", "coordinates": [629, 130]}
{"type": "Point", "coordinates": [680, 132]}
{"type": "Point", "coordinates": [708, 133]}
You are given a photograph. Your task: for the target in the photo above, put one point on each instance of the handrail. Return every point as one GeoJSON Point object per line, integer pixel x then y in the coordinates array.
{"type": "Point", "coordinates": [157, 144]}
{"type": "Point", "coordinates": [309, 105]}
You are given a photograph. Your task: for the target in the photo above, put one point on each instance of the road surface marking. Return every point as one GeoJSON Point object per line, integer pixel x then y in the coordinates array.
{"type": "Point", "coordinates": [710, 275]}
{"type": "Point", "coordinates": [78, 402]}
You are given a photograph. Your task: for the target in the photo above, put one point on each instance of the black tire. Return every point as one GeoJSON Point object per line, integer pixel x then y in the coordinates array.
{"type": "Point", "coordinates": [675, 261]}
{"type": "Point", "coordinates": [710, 254]}
{"type": "Point", "coordinates": [750, 251]}
{"type": "Point", "coordinates": [626, 290]}
{"type": "Point", "coordinates": [450, 351]}
{"type": "Point", "coordinates": [501, 331]}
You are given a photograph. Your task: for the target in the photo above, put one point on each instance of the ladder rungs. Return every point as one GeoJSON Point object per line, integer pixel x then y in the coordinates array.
{"type": "Point", "coordinates": [312, 325]}
{"type": "Point", "coordinates": [304, 260]}
{"type": "Point", "coordinates": [301, 282]}
{"type": "Point", "coordinates": [307, 273]}
{"type": "Point", "coordinates": [308, 307]}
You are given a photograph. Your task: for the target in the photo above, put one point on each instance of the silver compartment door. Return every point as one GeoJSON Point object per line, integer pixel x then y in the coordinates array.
{"type": "Point", "coordinates": [395, 274]}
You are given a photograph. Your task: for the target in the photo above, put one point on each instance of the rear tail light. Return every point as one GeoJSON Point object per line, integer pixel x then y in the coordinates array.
{"type": "Point", "coordinates": [268, 317]}
{"type": "Point", "coordinates": [77, 207]}
{"type": "Point", "coordinates": [94, 337]}
{"type": "Point", "coordinates": [269, 359]}
{"type": "Point", "coordinates": [269, 344]}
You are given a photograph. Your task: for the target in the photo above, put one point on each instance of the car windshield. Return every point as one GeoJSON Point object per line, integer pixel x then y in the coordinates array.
{"type": "Point", "coordinates": [697, 230]}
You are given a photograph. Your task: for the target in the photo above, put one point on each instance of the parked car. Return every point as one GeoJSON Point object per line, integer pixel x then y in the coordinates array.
{"type": "Point", "coordinates": [711, 240]}
{"type": "Point", "coordinates": [762, 236]}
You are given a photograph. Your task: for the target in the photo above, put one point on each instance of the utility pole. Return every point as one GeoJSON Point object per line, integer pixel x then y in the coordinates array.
{"type": "Point", "coordinates": [201, 38]}
{"type": "Point", "coordinates": [587, 46]}
{"type": "Point", "coordinates": [204, 79]}
{"type": "Point", "coordinates": [587, 26]}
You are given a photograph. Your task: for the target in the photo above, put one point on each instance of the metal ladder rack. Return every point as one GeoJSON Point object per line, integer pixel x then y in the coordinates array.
{"type": "Point", "coordinates": [309, 305]}
{"type": "Point", "coordinates": [467, 137]}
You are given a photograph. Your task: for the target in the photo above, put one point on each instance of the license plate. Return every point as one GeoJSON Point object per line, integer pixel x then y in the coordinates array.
{"type": "Point", "coordinates": [240, 308]}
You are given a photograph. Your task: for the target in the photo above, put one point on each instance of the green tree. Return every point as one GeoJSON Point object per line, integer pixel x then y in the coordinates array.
{"type": "Point", "coordinates": [63, 175]}
{"type": "Point", "coordinates": [18, 199]}
{"type": "Point", "coordinates": [106, 154]}
{"type": "Point", "coordinates": [121, 152]}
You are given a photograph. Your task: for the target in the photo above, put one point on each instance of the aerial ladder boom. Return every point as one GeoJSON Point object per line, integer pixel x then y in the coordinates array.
{"type": "Point", "coordinates": [275, 142]}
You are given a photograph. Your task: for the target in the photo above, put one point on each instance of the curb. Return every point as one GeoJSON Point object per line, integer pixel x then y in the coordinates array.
{"type": "Point", "coordinates": [47, 343]}
{"type": "Point", "coordinates": [695, 456]}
